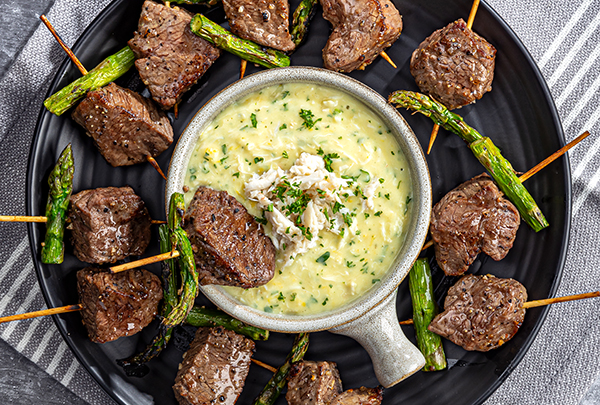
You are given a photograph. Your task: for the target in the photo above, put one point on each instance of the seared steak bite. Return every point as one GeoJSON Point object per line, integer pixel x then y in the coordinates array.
{"type": "Point", "coordinates": [454, 65]}
{"type": "Point", "coordinates": [362, 29]}
{"type": "Point", "coordinates": [473, 217]}
{"type": "Point", "coordinates": [126, 127]}
{"type": "Point", "coordinates": [359, 396]}
{"type": "Point", "coordinates": [230, 247]}
{"type": "Point", "coordinates": [115, 305]}
{"type": "Point", "coordinates": [313, 383]}
{"type": "Point", "coordinates": [170, 58]}
{"type": "Point", "coordinates": [481, 312]}
{"type": "Point", "coordinates": [214, 369]}
{"type": "Point", "coordinates": [108, 224]}
{"type": "Point", "coordinates": [264, 22]}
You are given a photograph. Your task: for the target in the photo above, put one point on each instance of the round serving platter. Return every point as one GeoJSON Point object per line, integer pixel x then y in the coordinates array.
{"type": "Point", "coordinates": [518, 115]}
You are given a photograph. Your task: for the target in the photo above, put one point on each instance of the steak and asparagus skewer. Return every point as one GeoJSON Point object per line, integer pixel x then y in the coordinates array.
{"type": "Point", "coordinates": [482, 147]}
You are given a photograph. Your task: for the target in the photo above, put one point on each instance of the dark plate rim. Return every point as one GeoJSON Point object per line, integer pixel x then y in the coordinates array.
{"type": "Point", "coordinates": [32, 166]}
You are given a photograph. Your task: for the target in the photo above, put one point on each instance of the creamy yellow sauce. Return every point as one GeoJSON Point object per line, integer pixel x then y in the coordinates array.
{"type": "Point", "coordinates": [265, 130]}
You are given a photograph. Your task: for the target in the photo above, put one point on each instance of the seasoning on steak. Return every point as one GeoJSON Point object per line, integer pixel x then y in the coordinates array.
{"type": "Point", "coordinates": [108, 224]}
{"type": "Point", "coordinates": [264, 22]}
{"type": "Point", "coordinates": [362, 29]}
{"type": "Point", "coordinates": [313, 383]}
{"type": "Point", "coordinates": [360, 396]}
{"type": "Point", "coordinates": [170, 58]}
{"type": "Point", "coordinates": [473, 217]}
{"type": "Point", "coordinates": [126, 127]}
{"type": "Point", "coordinates": [454, 65]}
{"type": "Point", "coordinates": [230, 247]}
{"type": "Point", "coordinates": [214, 369]}
{"type": "Point", "coordinates": [115, 305]}
{"type": "Point", "coordinates": [481, 312]}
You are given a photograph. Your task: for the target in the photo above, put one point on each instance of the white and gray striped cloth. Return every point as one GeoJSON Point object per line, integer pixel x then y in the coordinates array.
{"type": "Point", "coordinates": [564, 39]}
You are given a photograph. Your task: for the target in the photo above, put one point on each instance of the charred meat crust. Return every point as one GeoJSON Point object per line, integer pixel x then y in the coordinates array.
{"type": "Point", "coordinates": [170, 58]}
{"type": "Point", "coordinates": [264, 22]}
{"type": "Point", "coordinates": [116, 305]}
{"type": "Point", "coordinates": [230, 247]}
{"type": "Point", "coordinates": [481, 312]}
{"type": "Point", "coordinates": [126, 127]}
{"type": "Point", "coordinates": [108, 224]}
{"type": "Point", "coordinates": [473, 217]}
{"type": "Point", "coordinates": [214, 369]}
{"type": "Point", "coordinates": [313, 383]}
{"type": "Point", "coordinates": [362, 29]}
{"type": "Point", "coordinates": [454, 65]}
{"type": "Point", "coordinates": [359, 396]}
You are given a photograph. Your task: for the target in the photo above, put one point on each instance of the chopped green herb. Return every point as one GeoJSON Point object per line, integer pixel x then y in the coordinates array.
{"type": "Point", "coordinates": [308, 116]}
{"type": "Point", "coordinates": [192, 170]}
{"type": "Point", "coordinates": [350, 264]}
{"type": "Point", "coordinates": [313, 300]}
{"type": "Point", "coordinates": [325, 302]}
{"type": "Point", "coordinates": [400, 182]}
{"type": "Point", "coordinates": [268, 308]}
{"type": "Point", "coordinates": [293, 297]}
{"type": "Point", "coordinates": [381, 180]}
{"type": "Point", "coordinates": [323, 258]}
{"type": "Point", "coordinates": [281, 297]}
{"type": "Point", "coordinates": [378, 213]}
{"type": "Point", "coordinates": [330, 285]}
{"type": "Point", "coordinates": [387, 196]}
{"type": "Point", "coordinates": [367, 215]}
{"type": "Point", "coordinates": [408, 200]}
{"type": "Point", "coordinates": [374, 280]}
{"type": "Point", "coordinates": [285, 154]}
{"type": "Point", "coordinates": [258, 159]}
{"type": "Point", "coordinates": [367, 175]}
{"type": "Point", "coordinates": [192, 177]}
{"type": "Point", "coordinates": [270, 207]}
{"type": "Point", "coordinates": [224, 149]}
{"type": "Point", "coordinates": [253, 120]}
{"type": "Point", "coordinates": [236, 174]}
{"type": "Point", "coordinates": [285, 94]}
{"type": "Point", "coordinates": [283, 126]}
{"type": "Point", "coordinates": [337, 111]}
{"type": "Point", "coordinates": [329, 160]}
{"type": "Point", "coordinates": [262, 220]}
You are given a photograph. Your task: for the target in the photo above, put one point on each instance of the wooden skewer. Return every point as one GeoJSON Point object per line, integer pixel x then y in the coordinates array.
{"type": "Point", "coordinates": [24, 218]}
{"type": "Point", "coordinates": [142, 262]}
{"type": "Point", "coordinates": [264, 365]}
{"type": "Point", "coordinates": [388, 59]}
{"type": "Point", "coordinates": [84, 72]}
{"type": "Point", "coordinates": [154, 164]}
{"type": "Point", "coordinates": [553, 157]}
{"type": "Point", "coordinates": [44, 312]}
{"type": "Point", "coordinates": [243, 68]}
{"type": "Point", "coordinates": [436, 127]}
{"type": "Point", "coordinates": [64, 46]}
{"type": "Point", "coordinates": [427, 245]}
{"type": "Point", "coordinates": [541, 303]}
{"type": "Point", "coordinates": [21, 218]}
{"type": "Point", "coordinates": [548, 301]}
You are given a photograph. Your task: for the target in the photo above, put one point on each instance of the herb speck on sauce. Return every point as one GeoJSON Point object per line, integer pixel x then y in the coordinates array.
{"type": "Point", "coordinates": [323, 258]}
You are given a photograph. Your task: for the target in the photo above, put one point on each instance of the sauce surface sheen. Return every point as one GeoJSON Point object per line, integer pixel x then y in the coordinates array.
{"type": "Point", "coordinates": [265, 129]}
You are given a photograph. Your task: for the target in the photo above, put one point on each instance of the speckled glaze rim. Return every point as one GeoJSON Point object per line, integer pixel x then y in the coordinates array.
{"type": "Point", "coordinates": [417, 226]}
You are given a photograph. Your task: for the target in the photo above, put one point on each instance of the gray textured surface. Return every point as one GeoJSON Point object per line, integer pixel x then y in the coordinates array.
{"type": "Point", "coordinates": [560, 368]}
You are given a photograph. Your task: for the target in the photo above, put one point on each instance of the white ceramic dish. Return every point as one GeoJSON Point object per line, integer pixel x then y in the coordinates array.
{"type": "Point", "coordinates": [371, 319]}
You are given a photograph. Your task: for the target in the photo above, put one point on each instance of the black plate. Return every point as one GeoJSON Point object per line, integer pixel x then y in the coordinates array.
{"type": "Point", "coordinates": [518, 115]}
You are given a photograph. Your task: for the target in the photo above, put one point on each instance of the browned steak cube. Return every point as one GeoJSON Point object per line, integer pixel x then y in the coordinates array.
{"type": "Point", "coordinates": [361, 30]}
{"type": "Point", "coordinates": [126, 127]}
{"type": "Point", "coordinates": [115, 305]}
{"type": "Point", "coordinates": [454, 65]}
{"type": "Point", "coordinates": [230, 247]}
{"type": "Point", "coordinates": [108, 224]}
{"type": "Point", "coordinates": [481, 312]}
{"type": "Point", "coordinates": [264, 22]}
{"type": "Point", "coordinates": [214, 369]}
{"type": "Point", "coordinates": [313, 383]}
{"type": "Point", "coordinates": [170, 58]}
{"type": "Point", "coordinates": [360, 396]}
{"type": "Point", "coordinates": [473, 217]}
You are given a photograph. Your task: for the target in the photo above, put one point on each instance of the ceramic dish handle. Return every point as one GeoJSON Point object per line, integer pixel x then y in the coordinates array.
{"type": "Point", "coordinates": [394, 357]}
